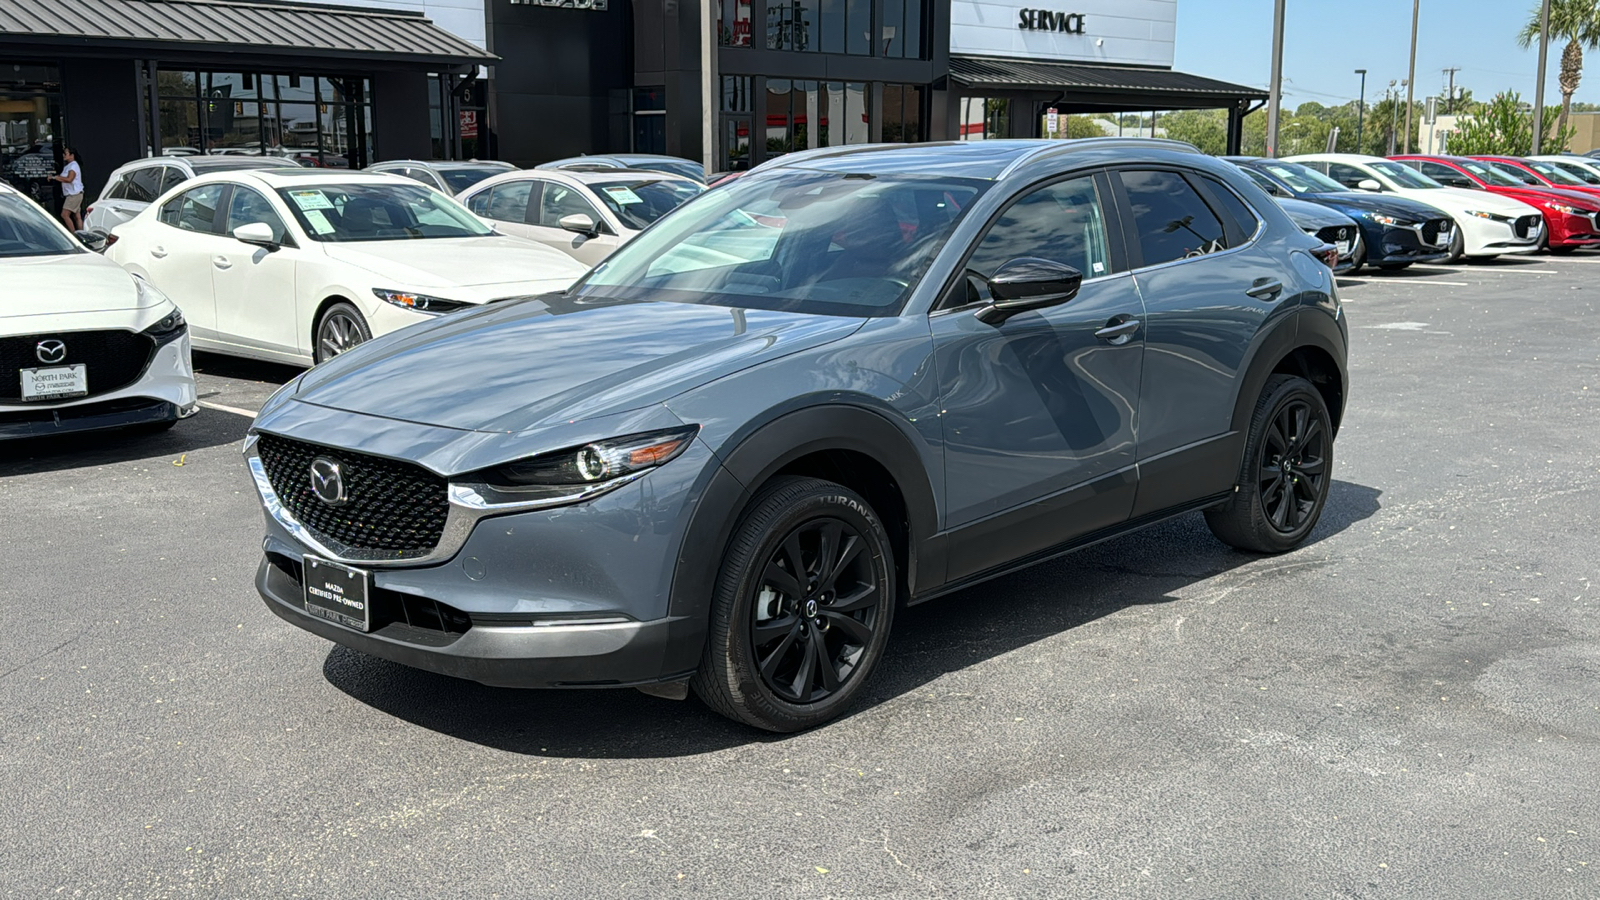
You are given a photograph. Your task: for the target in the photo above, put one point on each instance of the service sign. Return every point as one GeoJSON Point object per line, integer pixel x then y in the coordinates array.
{"type": "Point", "coordinates": [1119, 32]}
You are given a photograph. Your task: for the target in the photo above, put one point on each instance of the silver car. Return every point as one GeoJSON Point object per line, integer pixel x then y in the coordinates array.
{"type": "Point", "coordinates": [134, 186]}
{"type": "Point", "coordinates": [854, 379]}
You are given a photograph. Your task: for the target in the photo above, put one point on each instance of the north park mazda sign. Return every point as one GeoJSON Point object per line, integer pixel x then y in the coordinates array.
{"type": "Point", "coordinates": [1120, 32]}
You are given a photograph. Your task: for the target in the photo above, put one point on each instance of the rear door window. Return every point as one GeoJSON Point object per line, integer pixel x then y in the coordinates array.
{"type": "Point", "coordinates": [118, 187]}
{"type": "Point", "coordinates": [1170, 218]}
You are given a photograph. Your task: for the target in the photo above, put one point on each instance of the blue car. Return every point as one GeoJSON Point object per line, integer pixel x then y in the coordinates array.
{"type": "Point", "coordinates": [854, 379]}
{"type": "Point", "coordinates": [1329, 226]}
{"type": "Point", "coordinates": [1395, 232]}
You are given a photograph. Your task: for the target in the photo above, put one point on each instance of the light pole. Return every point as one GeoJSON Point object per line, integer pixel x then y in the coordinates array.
{"type": "Point", "coordinates": [1275, 90]}
{"type": "Point", "coordinates": [1538, 86]}
{"type": "Point", "coordinates": [1361, 109]}
{"type": "Point", "coordinates": [1411, 76]}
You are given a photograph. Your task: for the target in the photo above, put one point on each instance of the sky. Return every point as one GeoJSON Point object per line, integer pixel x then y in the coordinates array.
{"type": "Point", "coordinates": [1325, 42]}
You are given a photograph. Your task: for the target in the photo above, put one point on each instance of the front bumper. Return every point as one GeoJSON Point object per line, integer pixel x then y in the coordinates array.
{"type": "Point", "coordinates": [1399, 244]}
{"type": "Point", "coordinates": [164, 392]}
{"type": "Point", "coordinates": [1490, 237]}
{"type": "Point", "coordinates": [1569, 230]}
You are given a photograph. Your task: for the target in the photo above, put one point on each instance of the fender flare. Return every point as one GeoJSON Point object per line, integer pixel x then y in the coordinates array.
{"type": "Point", "coordinates": [757, 453]}
{"type": "Point", "coordinates": [1306, 327]}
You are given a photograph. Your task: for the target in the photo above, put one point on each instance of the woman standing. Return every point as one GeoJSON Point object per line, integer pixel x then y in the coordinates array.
{"type": "Point", "coordinates": [71, 179]}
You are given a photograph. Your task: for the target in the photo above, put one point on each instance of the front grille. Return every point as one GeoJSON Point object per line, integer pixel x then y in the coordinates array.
{"type": "Point", "coordinates": [1436, 231]}
{"type": "Point", "coordinates": [1335, 234]}
{"type": "Point", "coordinates": [392, 507]}
{"type": "Point", "coordinates": [1525, 226]}
{"type": "Point", "coordinates": [114, 359]}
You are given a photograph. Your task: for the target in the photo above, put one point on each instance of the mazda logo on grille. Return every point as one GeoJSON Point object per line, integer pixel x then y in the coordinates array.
{"type": "Point", "coordinates": [50, 352]}
{"type": "Point", "coordinates": [327, 481]}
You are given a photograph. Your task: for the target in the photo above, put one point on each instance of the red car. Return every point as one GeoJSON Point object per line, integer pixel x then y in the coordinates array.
{"type": "Point", "coordinates": [1535, 173]}
{"type": "Point", "coordinates": [1571, 215]}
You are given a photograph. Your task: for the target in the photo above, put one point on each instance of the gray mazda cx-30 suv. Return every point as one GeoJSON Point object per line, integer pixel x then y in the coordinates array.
{"type": "Point", "coordinates": [854, 379]}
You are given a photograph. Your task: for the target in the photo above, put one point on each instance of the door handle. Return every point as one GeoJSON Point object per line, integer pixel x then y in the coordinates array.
{"type": "Point", "coordinates": [1265, 288]}
{"type": "Point", "coordinates": [221, 262]}
{"type": "Point", "coordinates": [1118, 331]}
{"type": "Point", "coordinates": [158, 252]}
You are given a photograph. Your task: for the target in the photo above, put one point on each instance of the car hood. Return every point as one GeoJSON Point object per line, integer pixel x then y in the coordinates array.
{"type": "Point", "coordinates": [470, 262]}
{"type": "Point", "coordinates": [1536, 196]}
{"type": "Point", "coordinates": [1461, 199]}
{"type": "Point", "coordinates": [514, 366]}
{"type": "Point", "coordinates": [81, 282]}
{"type": "Point", "coordinates": [1353, 203]}
{"type": "Point", "coordinates": [1312, 215]}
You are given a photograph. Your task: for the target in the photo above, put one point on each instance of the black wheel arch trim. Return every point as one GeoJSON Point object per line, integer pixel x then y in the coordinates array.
{"type": "Point", "coordinates": [1305, 327]}
{"type": "Point", "coordinates": [754, 454]}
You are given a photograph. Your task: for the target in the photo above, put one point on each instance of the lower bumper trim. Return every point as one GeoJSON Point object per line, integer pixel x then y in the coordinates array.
{"type": "Point", "coordinates": [85, 417]}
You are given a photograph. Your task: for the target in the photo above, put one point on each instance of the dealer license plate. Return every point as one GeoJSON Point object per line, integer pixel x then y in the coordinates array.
{"type": "Point", "coordinates": [56, 383]}
{"type": "Point", "coordinates": [1344, 246]}
{"type": "Point", "coordinates": [338, 593]}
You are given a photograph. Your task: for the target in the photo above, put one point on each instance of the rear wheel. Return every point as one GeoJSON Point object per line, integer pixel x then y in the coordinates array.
{"type": "Point", "coordinates": [802, 608]}
{"type": "Point", "coordinates": [340, 328]}
{"type": "Point", "coordinates": [1285, 474]}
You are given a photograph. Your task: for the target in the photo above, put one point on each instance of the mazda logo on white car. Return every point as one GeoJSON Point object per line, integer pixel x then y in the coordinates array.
{"type": "Point", "coordinates": [50, 352]}
{"type": "Point", "coordinates": [327, 482]}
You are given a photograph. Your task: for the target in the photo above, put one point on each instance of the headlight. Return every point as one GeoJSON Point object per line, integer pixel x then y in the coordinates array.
{"type": "Point", "coordinates": [1488, 215]}
{"type": "Point", "coordinates": [596, 462]}
{"type": "Point", "coordinates": [1382, 219]}
{"type": "Point", "coordinates": [1568, 210]}
{"type": "Point", "coordinates": [421, 303]}
{"type": "Point", "coordinates": [168, 329]}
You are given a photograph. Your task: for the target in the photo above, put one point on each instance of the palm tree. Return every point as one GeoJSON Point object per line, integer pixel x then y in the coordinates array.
{"type": "Point", "coordinates": [1578, 21]}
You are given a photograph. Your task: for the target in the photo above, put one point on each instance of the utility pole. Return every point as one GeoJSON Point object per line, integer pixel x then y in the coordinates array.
{"type": "Point", "coordinates": [1411, 75]}
{"type": "Point", "coordinates": [1538, 86]}
{"type": "Point", "coordinates": [1450, 92]}
{"type": "Point", "coordinates": [1361, 109]}
{"type": "Point", "coordinates": [1275, 91]}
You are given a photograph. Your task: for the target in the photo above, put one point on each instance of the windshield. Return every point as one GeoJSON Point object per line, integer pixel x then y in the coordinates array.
{"type": "Point", "coordinates": [25, 231]}
{"type": "Point", "coordinates": [825, 243]}
{"type": "Point", "coordinates": [1404, 176]}
{"type": "Point", "coordinates": [637, 203]}
{"type": "Point", "coordinates": [379, 212]}
{"type": "Point", "coordinates": [686, 169]}
{"type": "Point", "coordinates": [1514, 173]}
{"type": "Point", "coordinates": [1553, 174]}
{"type": "Point", "coordinates": [463, 177]}
{"type": "Point", "coordinates": [1304, 180]}
{"type": "Point", "coordinates": [1489, 175]}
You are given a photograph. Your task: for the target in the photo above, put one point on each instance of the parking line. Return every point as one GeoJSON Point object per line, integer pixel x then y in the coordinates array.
{"type": "Point", "coordinates": [247, 413]}
{"type": "Point", "coordinates": [1410, 281]}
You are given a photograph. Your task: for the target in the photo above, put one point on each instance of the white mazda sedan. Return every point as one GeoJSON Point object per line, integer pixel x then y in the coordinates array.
{"type": "Point", "coordinates": [298, 265]}
{"type": "Point", "coordinates": [83, 344]}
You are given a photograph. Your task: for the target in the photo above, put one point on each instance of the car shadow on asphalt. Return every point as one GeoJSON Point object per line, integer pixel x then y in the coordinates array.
{"type": "Point", "coordinates": [930, 640]}
{"type": "Point", "coordinates": [238, 367]}
{"type": "Point", "coordinates": [54, 453]}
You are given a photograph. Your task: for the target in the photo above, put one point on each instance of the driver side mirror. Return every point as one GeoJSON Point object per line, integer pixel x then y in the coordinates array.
{"type": "Point", "coordinates": [95, 240]}
{"type": "Point", "coordinates": [258, 234]}
{"type": "Point", "coordinates": [1028, 283]}
{"type": "Point", "coordinates": [1370, 184]}
{"type": "Point", "coordinates": [580, 223]}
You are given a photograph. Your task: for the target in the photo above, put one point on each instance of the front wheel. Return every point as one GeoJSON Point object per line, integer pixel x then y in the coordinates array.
{"type": "Point", "coordinates": [341, 327]}
{"type": "Point", "coordinates": [802, 608]}
{"type": "Point", "coordinates": [1458, 246]}
{"type": "Point", "coordinates": [1285, 474]}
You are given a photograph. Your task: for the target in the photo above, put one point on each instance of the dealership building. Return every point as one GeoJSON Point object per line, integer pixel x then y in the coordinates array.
{"type": "Point", "coordinates": [728, 82]}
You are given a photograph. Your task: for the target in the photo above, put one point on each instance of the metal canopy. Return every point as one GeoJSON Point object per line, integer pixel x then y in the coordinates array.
{"type": "Point", "coordinates": [303, 30]}
{"type": "Point", "coordinates": [1094, 86]}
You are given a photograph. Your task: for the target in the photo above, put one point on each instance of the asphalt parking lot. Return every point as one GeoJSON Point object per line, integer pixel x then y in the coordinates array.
{"type": "Point", "coordinates": [1406, 707]}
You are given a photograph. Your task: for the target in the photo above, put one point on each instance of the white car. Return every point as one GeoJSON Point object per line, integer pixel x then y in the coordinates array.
{"type": "Point", "coordinates": [83, 344]}
{"type": "Point", "coordinates": [1486, 225]}
{"type": "Point", "coordinates": [584, 214]}
{"type": "Point", "coordinates": [1583, 168]}
{"type": "Point", "coordinates": [300, 265]}
{"type": "Point", "coordinates": [136, 185]}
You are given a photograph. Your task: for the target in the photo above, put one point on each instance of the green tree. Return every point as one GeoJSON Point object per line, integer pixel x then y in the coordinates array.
{"type": "Point", "coordinates": [1503, 127]}
{"type": "Point", "coordinates": [1578, 22]}
{"type": "Point", "coordinates": [1204, 128]}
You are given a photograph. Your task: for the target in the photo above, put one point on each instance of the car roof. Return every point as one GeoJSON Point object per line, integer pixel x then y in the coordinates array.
{"type": "Point", "coordinates": [447, 163]}
{"type": "Point", "coordinates": [295, 176]}
{"type": "Point", "coordinates": [976, 159]}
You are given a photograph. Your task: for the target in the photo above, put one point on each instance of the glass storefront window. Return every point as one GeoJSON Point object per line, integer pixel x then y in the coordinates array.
{"type": "Point", "coordinates": [902, 113]}
{"type": "Point", "coordinates": [311, 120]}
{"type": "Point", "coordinates": [984, 117]}
{"type": "Point", "coordinates": [30, 123]}
{"type": "Point", "coordinates": [733, 25]}
{"type": "Point", "coordinates": [858, 27]}
{"type": "Point", "coordinates": [837, 26]}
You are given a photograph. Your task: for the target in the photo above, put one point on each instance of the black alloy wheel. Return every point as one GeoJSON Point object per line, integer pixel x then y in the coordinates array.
{"type": "Point", "coordinates": [814, 611]}
{"type": "Point", "coordinates": [1286, 472]}
{"type": "Point", "coordinates": [803, 604]}
{"type": "Point", "coordinates": [1294, 465]}
{"type": "Point", "coordinates": [340, 328]}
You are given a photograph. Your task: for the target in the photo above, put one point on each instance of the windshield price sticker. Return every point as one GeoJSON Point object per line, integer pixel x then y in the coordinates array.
{"type": "Point", "coordinates": [309, 200]}
{"type": "Point", "coordinates": [623, 195]}
{"type": "Point", "coordinates": [319, 222]}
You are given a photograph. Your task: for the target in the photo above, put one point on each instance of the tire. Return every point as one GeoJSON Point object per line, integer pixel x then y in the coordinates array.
{"type": "Point", "coordinates": [340, 328]}
{"type": "Point", "coordinates": [1361, 260]}
{"type": "Point", "coordinates": [1458, 246]}
{"type": "Point", "coordinates": [758, 611]}
{"type": "Point", "coordinates": [1265, 513]}
{"type": "Point", "coordinates": [1394, 267]}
